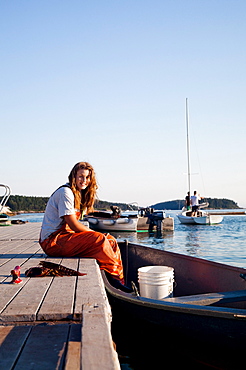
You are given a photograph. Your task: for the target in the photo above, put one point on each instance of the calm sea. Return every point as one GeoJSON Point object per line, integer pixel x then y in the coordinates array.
{"type": "Point", "coordinates": [224, 243]}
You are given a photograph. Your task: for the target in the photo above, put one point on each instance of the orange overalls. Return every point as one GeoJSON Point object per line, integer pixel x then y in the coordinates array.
{"type": "Point", "coordinates": [104, 248]}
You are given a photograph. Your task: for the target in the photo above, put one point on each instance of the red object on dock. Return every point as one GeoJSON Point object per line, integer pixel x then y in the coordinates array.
{"type": "Point", "coordinates": [16, 275]}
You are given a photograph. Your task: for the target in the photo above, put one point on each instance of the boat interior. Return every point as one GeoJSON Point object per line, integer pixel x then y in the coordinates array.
{"type": "Point", "coordinates": [197, 281]}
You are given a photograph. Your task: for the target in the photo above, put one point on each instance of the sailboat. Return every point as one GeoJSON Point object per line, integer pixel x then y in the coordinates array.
{"type": "Point", "coordinates": [202, 217]}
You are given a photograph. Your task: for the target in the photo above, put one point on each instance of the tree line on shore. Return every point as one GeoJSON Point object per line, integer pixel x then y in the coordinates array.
{"type": "Point", "coordinates": [214, 203]}
{"type": "Point", "coordinates": [22, 203]}
{"type": "Point", "coordinates": [18, 203]}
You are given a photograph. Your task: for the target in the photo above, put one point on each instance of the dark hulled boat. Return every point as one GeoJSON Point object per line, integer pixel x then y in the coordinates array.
{"type": "Point", "coordinates": [207, 311]}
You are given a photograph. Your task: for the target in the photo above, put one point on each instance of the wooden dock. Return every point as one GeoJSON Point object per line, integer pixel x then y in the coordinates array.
{"type": "Point", "coordinates": [51, 322]}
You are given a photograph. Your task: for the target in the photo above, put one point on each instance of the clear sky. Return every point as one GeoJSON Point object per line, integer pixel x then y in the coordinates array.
{"type": "Point", "coordinates": [106, 81]}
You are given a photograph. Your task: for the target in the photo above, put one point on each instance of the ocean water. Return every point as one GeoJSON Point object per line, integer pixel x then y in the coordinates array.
{"type": "Point", "coordinates": [29, 217]}
{"type": "Point", "coordinates": [224, 243]}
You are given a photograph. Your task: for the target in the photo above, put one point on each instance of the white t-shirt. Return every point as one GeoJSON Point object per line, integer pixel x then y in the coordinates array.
{"type": "Point", "coordinates": [195, 200]}
{"type": "Point", "coordinates": [61, 203]}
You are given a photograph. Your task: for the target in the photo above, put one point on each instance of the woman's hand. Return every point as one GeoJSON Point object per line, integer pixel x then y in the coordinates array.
{"type": "Point", "coordinates": [74, 224]}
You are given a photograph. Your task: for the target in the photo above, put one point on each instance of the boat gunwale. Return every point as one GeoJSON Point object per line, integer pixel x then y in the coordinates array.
{"type": "Point", "coordinates": [182, 308]}
{"type": "Point", "coordinates": [187, 257]}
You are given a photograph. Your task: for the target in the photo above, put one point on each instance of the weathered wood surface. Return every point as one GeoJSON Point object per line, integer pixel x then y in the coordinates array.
{"type": "Point", "coordinates": [43, 319]}
{"type": "Point", "coordinates": [42, 298]}
{"type": "Point", "coordinates": [43, 346]}
{"type": "Point", "coordinates": [11, 343]}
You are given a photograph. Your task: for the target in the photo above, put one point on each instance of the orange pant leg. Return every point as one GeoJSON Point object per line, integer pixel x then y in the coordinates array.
{"type": "Point", "coordinates": [103, 248]}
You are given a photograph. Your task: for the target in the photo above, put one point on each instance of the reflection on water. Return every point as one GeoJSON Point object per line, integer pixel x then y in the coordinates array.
{"type": "Point", "coordinates": [221, 243]}
{"type": "Point", "coordinates": [192, 243]}
{"type": "Point", "coordinates": [224, 242]}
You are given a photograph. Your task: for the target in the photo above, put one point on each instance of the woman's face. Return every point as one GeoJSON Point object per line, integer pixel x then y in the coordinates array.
{"type": "Point", "coordinates": [82, 179]}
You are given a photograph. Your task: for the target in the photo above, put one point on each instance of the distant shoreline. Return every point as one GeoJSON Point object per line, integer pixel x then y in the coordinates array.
{"type": "Point", "coordinates": [241, 211]}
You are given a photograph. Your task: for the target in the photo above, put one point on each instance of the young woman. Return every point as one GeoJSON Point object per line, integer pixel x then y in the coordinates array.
{"type": "Point", "coordinates": [62, 235]}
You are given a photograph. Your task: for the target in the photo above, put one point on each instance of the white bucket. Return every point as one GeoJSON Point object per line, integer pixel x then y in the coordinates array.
{"type": "Point", "coordinates": [156, 282]}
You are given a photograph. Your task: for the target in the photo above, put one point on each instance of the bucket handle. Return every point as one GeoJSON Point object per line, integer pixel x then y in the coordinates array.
{"type": "Point", "coordinates": [135, 289]}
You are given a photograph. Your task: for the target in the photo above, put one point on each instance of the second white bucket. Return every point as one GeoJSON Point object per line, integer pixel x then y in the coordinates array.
{"type": "Point", "coordinates": [156, 282]}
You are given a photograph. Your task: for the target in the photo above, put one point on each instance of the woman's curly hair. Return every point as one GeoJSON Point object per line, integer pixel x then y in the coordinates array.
{"type": "Point", "coordinates": [84, 199]}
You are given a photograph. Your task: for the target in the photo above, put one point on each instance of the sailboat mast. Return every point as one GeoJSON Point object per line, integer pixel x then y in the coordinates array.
{"type": "Point", "coordinates": [188, 143]}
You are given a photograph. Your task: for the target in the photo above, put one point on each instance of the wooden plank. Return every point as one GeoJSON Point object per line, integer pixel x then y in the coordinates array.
{"type": "Point", "coordinates": [26, 303]}
{"type": "Point", "coordinates": [9, 261]}
{"type": "Point", "coordinates": [11, 304]}
{"type": "Point", "coordinates": [59, 301]}
{"type": "Point", "coordinates": [24, 261]}
{"type": "Point", "coordinates": [12, 339]}
{"type": "Point", "coordinates": [15, 242]}
{"type": "Point", "coordinates": [90, 288]}
{"type": "Point", "coordinates": [30, 230]}
{"type": "Point", "coordinates": [7, 293]}
{"type": "Point", "coordinates": [97, 351]}
{"type": "Point", "coordinates": [18, 249]}
{"type": "Point", "coordinates": [210, 298]}
{"type": "Point", "coordinates": [7, 290]}
{"type": "Point", "coordinates": [6, 246]}
{"type": "Point", "coordinates": [73, 355]}
{"type": "Point", "coordinates": [45, 348]}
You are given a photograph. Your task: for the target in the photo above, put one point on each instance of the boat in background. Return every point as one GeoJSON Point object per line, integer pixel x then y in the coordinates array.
{"type": "Point", "coordinates": [202, 217]}
{"type": "Point", "coordinates": [112, 221]}
{"type": "Point", "coordinates": [141, 220]}
{"type": "Point", "coordinates": [208, 219]}
{"type": "Point", "coordinates": [4, 218]}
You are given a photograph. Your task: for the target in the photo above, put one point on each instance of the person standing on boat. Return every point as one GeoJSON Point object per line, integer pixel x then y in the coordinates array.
{"type": "Point", "coordinates": [62, 235]}
{"type": "Point", "coordinates": [195, 203]}
{"type": "Point", "coordinates": [187, 201]}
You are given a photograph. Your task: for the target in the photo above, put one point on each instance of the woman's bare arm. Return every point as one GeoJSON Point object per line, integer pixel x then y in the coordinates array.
{"type": "Point", "coordinates": [74, 224]}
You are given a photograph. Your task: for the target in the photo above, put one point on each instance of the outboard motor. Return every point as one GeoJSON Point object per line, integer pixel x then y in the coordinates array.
{"type": "Point", "coordinates": [155, 220]}
{"type": "Point", "coordinates": [116, 211]}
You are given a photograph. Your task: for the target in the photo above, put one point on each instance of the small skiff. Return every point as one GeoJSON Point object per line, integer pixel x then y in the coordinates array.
{"type": "Point", "coordinates": [116, 221]}
{"type": "Point", "coordinates": [207, 311]}
{"type": "Point", "coordinates": [112, 224]}
{"type": "Point", "coordinates": [112, 221]}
